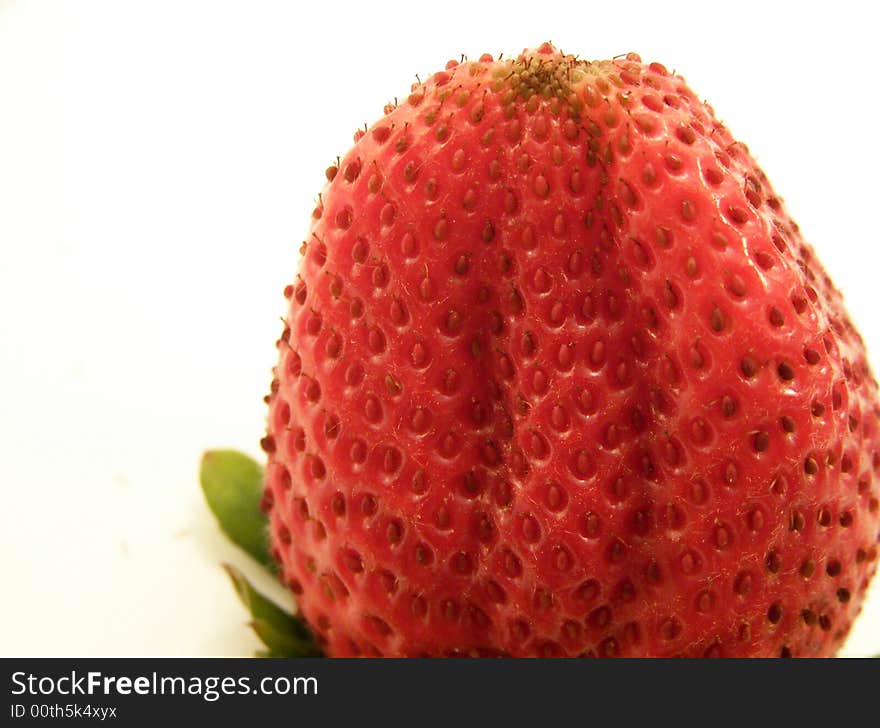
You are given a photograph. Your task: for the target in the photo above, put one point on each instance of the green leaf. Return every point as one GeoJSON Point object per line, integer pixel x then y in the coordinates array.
{"type": "Point", "coordinates": [283, 634]}
{"type": "Point", "coordinates": [233, 486]}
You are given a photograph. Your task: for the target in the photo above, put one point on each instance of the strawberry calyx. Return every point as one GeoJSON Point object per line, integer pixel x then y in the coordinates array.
{"type": "Point", "coordinates": [283, 634]}
{"type": "Point", "coordinates": [232, 484]}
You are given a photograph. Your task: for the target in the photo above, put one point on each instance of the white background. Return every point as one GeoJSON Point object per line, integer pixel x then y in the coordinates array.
{"type": "Point", "coordinates": [158, 163]}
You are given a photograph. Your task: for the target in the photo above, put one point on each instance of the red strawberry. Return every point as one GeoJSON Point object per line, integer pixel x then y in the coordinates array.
{"type": "Point", "coordinates": [561, 377]}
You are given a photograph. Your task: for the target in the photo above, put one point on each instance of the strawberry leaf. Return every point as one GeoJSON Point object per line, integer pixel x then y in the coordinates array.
{"type": "Point", "coordinates": [232, 484]}
{"type": "Point", "coordinates": [283, 634]}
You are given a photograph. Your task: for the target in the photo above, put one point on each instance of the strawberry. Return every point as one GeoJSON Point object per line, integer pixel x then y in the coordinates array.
{"type": "Point", "coordinates": [560, 377]}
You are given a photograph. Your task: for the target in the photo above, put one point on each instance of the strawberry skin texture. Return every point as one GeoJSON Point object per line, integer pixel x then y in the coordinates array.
{"type": "Point", "coordinates": [560, 377]}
